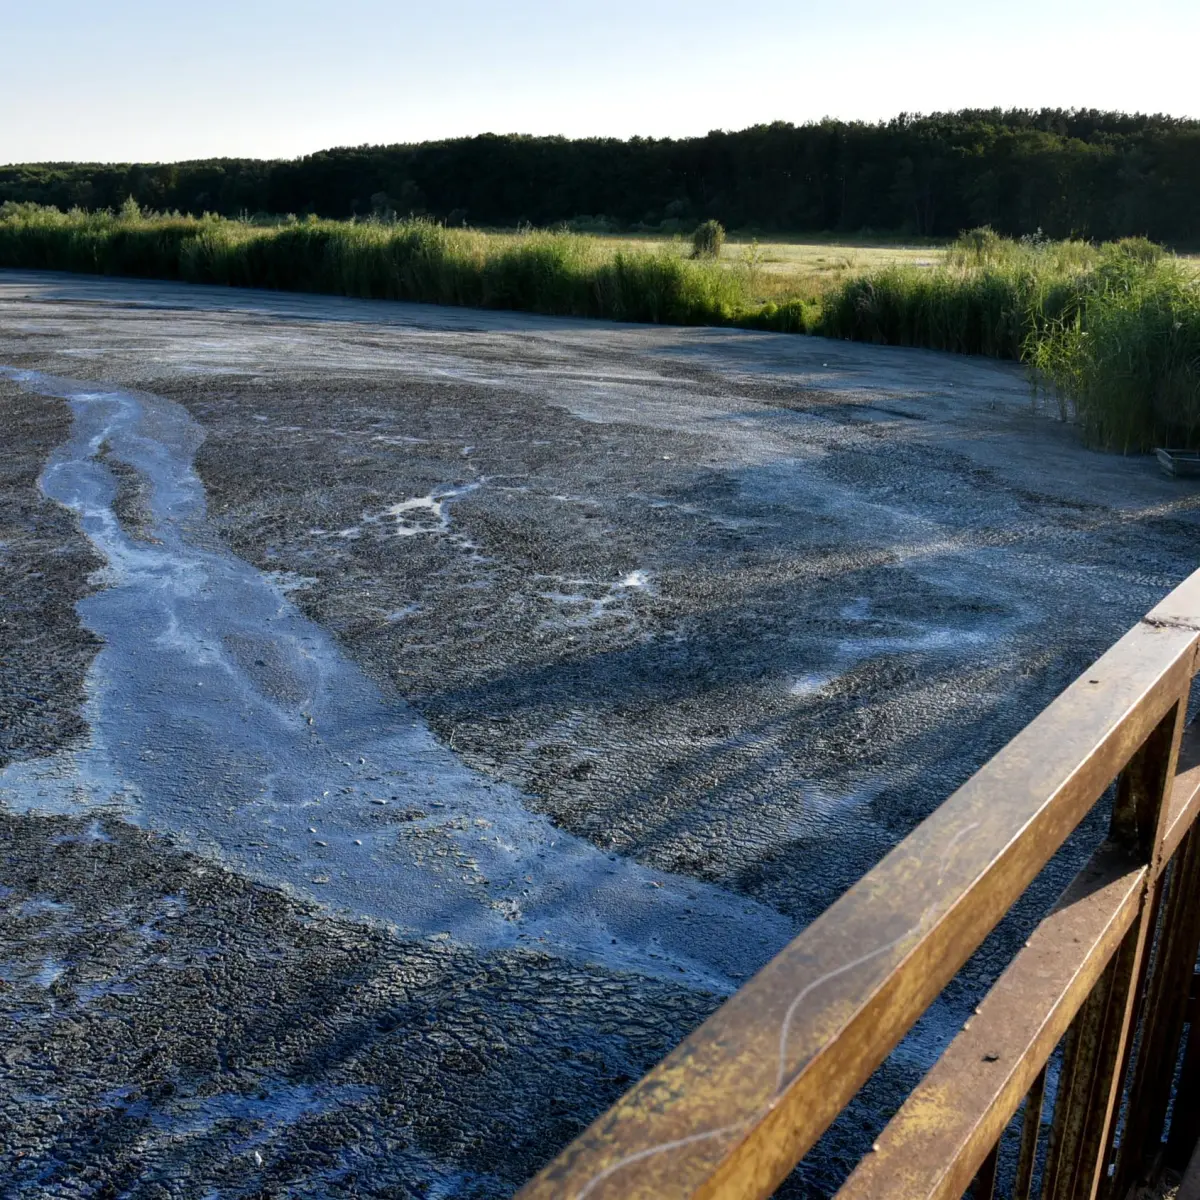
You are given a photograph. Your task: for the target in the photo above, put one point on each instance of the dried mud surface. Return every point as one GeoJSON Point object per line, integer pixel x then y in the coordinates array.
{"type": "Point", "coordinates": [45, 563]}
{"type": "Point", "coordinates": [175, 1030]}
{"type": "Point", "coordinates": [741, 608]}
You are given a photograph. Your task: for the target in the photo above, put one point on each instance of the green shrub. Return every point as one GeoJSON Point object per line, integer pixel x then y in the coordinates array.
{"type": "Point", "coordinates": [1138, 250]}
{"type": "Point", "coordinates": [1126, 363]}
{"type": "Point", "coordinates": [707, 240]}
{"type": "Point", "coordinates": [979, 247]}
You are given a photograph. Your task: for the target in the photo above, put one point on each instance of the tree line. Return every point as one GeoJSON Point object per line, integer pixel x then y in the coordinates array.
{"type": "Point", "coordinates": [1068, 173]}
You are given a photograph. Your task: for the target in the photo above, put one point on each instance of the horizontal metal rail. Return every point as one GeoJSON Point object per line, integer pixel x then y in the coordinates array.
{"type": "Point", "coordinates": [734, 1107]}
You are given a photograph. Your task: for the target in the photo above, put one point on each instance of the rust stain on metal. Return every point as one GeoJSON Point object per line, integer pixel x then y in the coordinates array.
{"type": "Point", "coordinates": [937, 1141]}
{"type": "Point", "coordinates": [1031, 1128]}
{"type": "Point", "coordinates": [734, 1107]}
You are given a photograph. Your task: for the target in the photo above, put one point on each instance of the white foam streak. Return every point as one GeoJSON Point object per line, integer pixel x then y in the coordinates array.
{"type": "Point", "coordinates": [220, 714]}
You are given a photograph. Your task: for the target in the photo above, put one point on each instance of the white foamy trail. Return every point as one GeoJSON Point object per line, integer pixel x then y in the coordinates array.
{"type": "Point", "coordinates": [219, 714]}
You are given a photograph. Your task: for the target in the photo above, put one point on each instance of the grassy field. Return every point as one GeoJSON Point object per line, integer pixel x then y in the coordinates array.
{"type": "Point", "coordinates": [779, 269]}
{"type": "Point", "coordinates": [807, 264]}
{"type": "Point", "coordinates": [801, 258]}
{"type": "Point", "coordinates": [1111, 333]}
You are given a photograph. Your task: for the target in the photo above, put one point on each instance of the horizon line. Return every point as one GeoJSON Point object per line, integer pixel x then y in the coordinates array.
{"type": "Point", "coordinates": [881, 122]}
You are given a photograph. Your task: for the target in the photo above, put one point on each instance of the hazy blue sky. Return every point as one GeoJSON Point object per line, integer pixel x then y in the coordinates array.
{"type": "Point", "coordinates": [130, 79]}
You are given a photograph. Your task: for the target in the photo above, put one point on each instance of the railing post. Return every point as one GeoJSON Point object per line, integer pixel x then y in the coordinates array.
{"type": "Point", "coordinates": [1165, 1007]}
{"type": "Point", "coordinates": [1185, 1117]}
{"type": "Point", "coordinates": [1098, 1048]}
{"type": "Point", "coordinates": [1031, 1127]}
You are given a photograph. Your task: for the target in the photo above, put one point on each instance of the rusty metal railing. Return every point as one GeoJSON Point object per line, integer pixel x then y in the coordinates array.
{"type": "Point", "coordinates": [732, 1109]}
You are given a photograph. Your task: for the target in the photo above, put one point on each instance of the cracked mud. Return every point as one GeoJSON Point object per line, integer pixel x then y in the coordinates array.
{"type": "Point", "coordinates": [412, 722]}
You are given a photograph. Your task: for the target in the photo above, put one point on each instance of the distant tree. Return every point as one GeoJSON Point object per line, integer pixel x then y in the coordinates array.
{"type": "Point", "coordinates": [707, 240]}
{"type": "Point", "coordinates": [411, 201]}
{"type": "Point", "coordinates": [382, 207]}
{"type": "Point", "coordinates": [1082, 172]}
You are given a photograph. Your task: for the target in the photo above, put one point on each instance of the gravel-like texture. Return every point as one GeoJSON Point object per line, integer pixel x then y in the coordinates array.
{"type": "Point", "coordinates": [45, 563]}
{"type": "Point", "coordinates": [130, 504]}
{"type": "Point", "coordinates": [861, 619]}
{"type": "Point", "coordinates": [742, 607]}
{"type": "Point", "coordinates": [174, 1030]}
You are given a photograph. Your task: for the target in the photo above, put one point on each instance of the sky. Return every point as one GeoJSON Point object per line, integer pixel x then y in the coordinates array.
{"type": "Point", "coordinates": [130, 80]}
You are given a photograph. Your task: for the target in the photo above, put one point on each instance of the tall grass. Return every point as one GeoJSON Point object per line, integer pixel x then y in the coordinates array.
{"type": "Point", "coordinates": [541, 272]}
{"type": "Point", "coordinates": [1126, 362]}
{"type": "Point", "coordinates": [989, 296]}
{"type": "Point", "coordinates": [1112, 333]}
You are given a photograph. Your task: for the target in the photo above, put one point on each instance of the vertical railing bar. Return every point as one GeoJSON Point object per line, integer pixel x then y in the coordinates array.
{"type": "Point", "coordinates": [1097, 1054]}
{"type": "Point", "coordinates": [1185, 1118]}
{"type": "Point", "coordinates": [1184, 1134]}
{"type": "Point", "coordinates": [1155, 906]}
{"type": "Point", "coordinates": [1166, 1005]}
{"type": "Point", "coordinates": [1111, 1049]}
{"type": "Point", "coordinates": [984, 1185]}
{"type": "Point", "coordinates": [1074, 1084]}
{"type": "Point", "coordinates": [1140, 812]}
{"type": "Point", "coordinates": [1030, 1131]}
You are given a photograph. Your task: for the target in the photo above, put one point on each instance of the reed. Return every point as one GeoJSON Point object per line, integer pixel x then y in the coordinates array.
{"type": "Point", "coordinates": [1125, 364]}
{"type": "Point", "coordinates": [543, 272]}
{"type": "Point", "coordinates": [988, 296]}
{"type": "Point", "coordinates": [1111, 333]}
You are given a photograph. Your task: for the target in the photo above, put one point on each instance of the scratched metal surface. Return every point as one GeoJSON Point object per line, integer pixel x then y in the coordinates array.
{"type": "Point", "coordinates": [732, 1109]}
{"type": "Point", "coordinates": [964, 1103]}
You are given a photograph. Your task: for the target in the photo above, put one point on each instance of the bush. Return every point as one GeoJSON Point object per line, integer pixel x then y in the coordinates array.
{"type": "Point", "coordinates": [1126, 364]}
{"type": "Point", "coordinates": [980, 246]}
{"type": "Point", "coordinates": [708, 239]}
{"type": "Point", "coordinates": [1112, 334]}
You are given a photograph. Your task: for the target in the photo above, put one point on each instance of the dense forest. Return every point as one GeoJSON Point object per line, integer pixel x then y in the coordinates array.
{"type": "Point", "coordinates": [1068, 173]}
